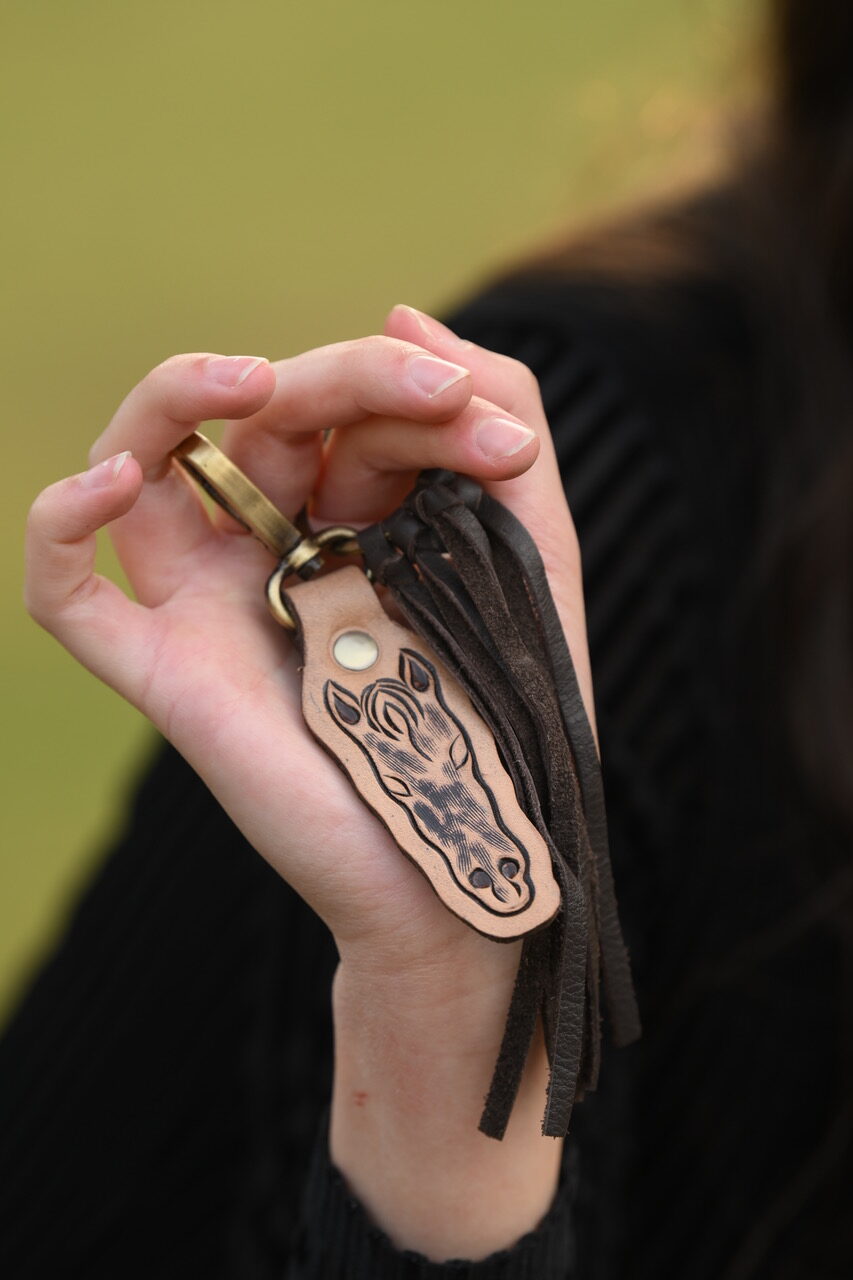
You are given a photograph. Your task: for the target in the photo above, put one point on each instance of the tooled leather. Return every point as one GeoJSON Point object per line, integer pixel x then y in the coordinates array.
{"type": "Point", "coordinates": [422, 759]}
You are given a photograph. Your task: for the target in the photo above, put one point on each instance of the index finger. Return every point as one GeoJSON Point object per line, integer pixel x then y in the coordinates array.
{"type": "Point", "coordinates": [339, 386]}
{"type": "Point", "coordinates": [168, 523]}
{"type": "Point", "coordinates": [170, 401]}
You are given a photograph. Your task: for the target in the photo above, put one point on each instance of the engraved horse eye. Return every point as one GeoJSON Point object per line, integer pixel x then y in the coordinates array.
{"type": "Point", "coordinates": [459, 751]}
{"type": "Point", "coordinates": [509, 868]}
{"type": "Point", "coordinates": [396, 786]}
{"type": "Point", "coordinates": [480, 879]}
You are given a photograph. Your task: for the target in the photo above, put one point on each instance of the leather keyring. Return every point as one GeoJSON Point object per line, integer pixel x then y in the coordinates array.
{"type": "Point", "coordinates": [465, 732]}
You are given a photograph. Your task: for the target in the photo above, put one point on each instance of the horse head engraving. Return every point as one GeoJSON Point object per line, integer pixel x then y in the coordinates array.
{"type": "Point", "coordinates": [424, 760]}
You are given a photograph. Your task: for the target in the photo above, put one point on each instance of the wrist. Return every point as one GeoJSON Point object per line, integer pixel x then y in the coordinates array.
{"type": "Point", "coordinates": [462, 990]}
{"type": "Point", "coordinates": [414, 1055]}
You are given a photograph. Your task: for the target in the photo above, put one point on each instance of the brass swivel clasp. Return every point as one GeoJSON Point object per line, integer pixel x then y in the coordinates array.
{"type": "Point", "coordinates": [297, 552]}
{"type": "Point", "coordinates": [305, 560]}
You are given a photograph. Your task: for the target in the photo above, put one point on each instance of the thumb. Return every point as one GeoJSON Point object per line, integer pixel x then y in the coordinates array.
{"type": "Point", "coordinates": [87, 613]}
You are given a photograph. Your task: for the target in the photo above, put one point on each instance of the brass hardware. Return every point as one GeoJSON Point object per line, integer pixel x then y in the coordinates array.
{"type": "Point", "coordinates": [337, 538]}
{"type": "Point", "coordinates": [234, 492]}
{"type": "Point", "coordinates": [355, 650]}
{"type": "Point", "coordinates": [340, 539]}
{"type": "Point", "coordinates": [297, 552]}
{"type": "Point", "coordinates": [277, 607]}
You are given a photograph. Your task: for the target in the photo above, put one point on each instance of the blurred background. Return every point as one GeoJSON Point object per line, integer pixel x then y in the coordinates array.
{"type": "Point", "coordinates": [259, 178]}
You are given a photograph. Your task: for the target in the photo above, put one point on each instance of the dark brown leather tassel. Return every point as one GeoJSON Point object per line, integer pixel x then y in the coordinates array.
{"type": "Point", "coordinates": [469, 579]}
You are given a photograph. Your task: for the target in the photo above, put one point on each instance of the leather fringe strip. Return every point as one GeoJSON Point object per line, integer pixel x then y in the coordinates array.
{"type": "Point", "coordinates": [468, 578]}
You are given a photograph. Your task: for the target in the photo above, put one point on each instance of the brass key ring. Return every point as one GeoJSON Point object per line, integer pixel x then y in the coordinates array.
{"type": "Point", "coordinates": [235, 493]}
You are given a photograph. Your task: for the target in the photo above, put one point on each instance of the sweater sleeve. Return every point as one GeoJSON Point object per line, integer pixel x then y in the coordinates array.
{"type": "Point", "coordinates": [338, 1241]}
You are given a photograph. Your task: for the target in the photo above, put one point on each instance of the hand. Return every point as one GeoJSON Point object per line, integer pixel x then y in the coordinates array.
{"type": "Point", "coordinates": [199, 655]}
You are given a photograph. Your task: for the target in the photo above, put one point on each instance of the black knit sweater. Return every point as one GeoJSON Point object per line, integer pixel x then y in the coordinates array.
{"type": "Point", "coordinates": [164, 1084]}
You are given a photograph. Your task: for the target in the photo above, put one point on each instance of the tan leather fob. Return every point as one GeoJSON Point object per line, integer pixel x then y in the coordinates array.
{"type": "Point", "coordinates": [403, 729]}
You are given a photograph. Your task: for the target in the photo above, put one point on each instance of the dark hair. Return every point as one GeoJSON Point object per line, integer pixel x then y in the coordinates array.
{"type": "Point", "coordinates": [806, 214]}
{"type": "Point", "coordinates": [779, 231]}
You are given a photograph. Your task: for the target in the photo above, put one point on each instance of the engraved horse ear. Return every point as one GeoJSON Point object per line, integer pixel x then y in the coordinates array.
{"type": "Point", "coordinates": [344, 707]}
{"type": "Point", "coordinates": [416, 673]}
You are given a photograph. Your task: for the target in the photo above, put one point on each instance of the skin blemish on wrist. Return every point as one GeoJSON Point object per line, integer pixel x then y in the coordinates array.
{"type": "Point", "coordinates": [359, 1097]}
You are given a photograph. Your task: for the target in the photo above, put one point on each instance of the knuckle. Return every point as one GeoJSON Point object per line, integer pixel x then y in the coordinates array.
{"type": "Point", "coordinates": [374, 346]}
{"type": "Point", "coordinates": [174, 388]}
{"type": "Point", "coordinates": [523, 375]}
{"type": "Point", "coordinates": [40, 511]}
{"type": "Point", "coordinates": [173, 364]}
{"type": "Point", "coordinates": [391, 351]}
{"type": "Point", "coordinates": [159, 382]}
{"type": "Point", "coordinates": [358, 354]}
{"type": "Point", "coordinates": [374, 356]}
{"type": "Point", "coordinates": [378, 343]}
{"type": "Point", "coordinates": [30, 601]}
{"type": "Point", "coordinates": [34, 603]}
{"type": "Point", "coordinates": [55, 609]}
{"type": "Point", "coordinates": [80, 593]}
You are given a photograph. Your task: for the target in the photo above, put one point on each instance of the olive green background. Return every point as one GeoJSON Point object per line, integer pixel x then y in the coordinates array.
{"type": "Point", "coordinates": [259, 177]}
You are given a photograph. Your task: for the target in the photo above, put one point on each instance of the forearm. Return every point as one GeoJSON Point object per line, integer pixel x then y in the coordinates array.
{"type": "Point", "coordinates": [413, 1061]}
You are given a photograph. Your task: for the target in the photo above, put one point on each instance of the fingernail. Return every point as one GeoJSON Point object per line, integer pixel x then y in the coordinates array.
{"type": "Point", "coordinates": [499, 438]}
{"type": "Point", "coordinates": [433, 375]}
{"type": "Point", "coordinates": [420, 319]}
{"type": "Point", "coordinates": [231, 371]}
{"type": "Point", "coordinates": [104, 473]}
{"type": "Point", "coordinates": [434, 328]}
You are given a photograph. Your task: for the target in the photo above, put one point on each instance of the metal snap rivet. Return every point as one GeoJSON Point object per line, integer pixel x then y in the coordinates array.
{"type": "Point", "coordinates": [355, 650]}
